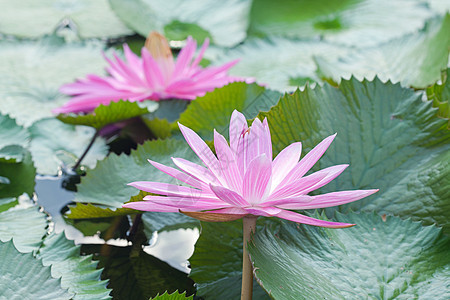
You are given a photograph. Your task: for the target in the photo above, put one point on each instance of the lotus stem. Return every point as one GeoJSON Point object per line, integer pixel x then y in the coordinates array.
{"type": "Point", "coordinates": [75, 167]}
{"type": "Point", "coordinates": [247, 268]}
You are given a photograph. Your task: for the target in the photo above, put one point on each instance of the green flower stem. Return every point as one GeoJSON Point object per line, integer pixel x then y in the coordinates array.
{"type": "Point", "coordinates": [75, 167]}
{"type": "Point", "coordinates": [247, 268]}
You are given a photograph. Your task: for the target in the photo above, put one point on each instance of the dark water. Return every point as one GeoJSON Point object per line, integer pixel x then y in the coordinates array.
{"type": "Point", "coordinates": [174, 247]}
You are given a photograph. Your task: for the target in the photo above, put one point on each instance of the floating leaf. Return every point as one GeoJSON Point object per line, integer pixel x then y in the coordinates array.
{"type": "Point", "coordinates": [20, 175]}
{"type": "Point", "coordinates": [22, 275]}
{"type": "Point", "coordinates": [12, 154]}
{"type": "Point", "coordinates": [108, 114]}
{"type": "Point", "coordinates": [107, 183]}
{"type": "Point", "coordinates": [416, 59]}
{"type": "Point", "coordinates": [52, 138]}
{"type": "Point", "coordinates": [89, 211]}
{"type": "Point", "coordinates": [217, 262]}
{"type": "Point", "coordinates": [32, 72]}
{"type": "Point", "coordinates": [226, 22]}
{"type": "Point", "coordinates": [354, 23]}
{"type": "Point", "coordinates": [390, 137]}
{"type": "Point", "coordinates": [286, 63]}
{"type": "Point", "coordinates": [174, 296]}
{"type": "Point", "coordinates": [377, 258]}
{"type": "Point", "coordinates": [134, 274]}
{"type": "Point", "coordinates": [11, 133]}
{"type": "Point", "coordinates": [214, 109]}
{"type": "Point", "coordinates": [78, 273]}
{"type": "Point", "coordinates": [26, 226]}
{"type": "Point", "coordinates": [32, 19]}
{"type": "Point", "coordinates": [439, 93]}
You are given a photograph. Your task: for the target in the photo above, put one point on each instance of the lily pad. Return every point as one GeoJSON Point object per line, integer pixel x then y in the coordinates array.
{"type": "Point", "coordinates": [390, 258]}
{"type": "Point", "coordinates": [22, 275]}
{"type": "Point", "coordinates": [31, 73]}
{"type": "Point", "coordinates": [52, 139]}
{"type": "Point", "coordinates": [217, 261]}
{"type": "Point", "coordinates": [20, 175]}
{"type": "Point", "coordinates": [439, 93]}
{"type": "Point", "coordinates": [11, 133]}
{"type": "Point", "coordinates": [133, 274]}
{"type": "Point", "coordinates": [25, 226]}
{"type": "Point", "coordinates": [107, 183]}
{"type": "Point", "coordinates": [225, 21]}
{"type": "Point", "coordinates": [107, 114]}
{"type": "Point", "coordinates": [78, 273]}
{"type": "Point", "coordinates": [213, 111]}
{"type": "Point", "coordinates": [390, 137]}
{"type": "Point", "coordinates": [174, 296]}
{"type": "Point", "coordinates": [280, 63]}
{"type": "Point", "coordinates": [414, 60]}
{"type": "Point", "coordinates": [351, 22]}
{"type": "Point", "coordinates": [33, 19]}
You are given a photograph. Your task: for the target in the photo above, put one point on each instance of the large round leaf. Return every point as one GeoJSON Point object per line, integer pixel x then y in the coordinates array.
{"type": "Point", "coordinates": [25, 226]}
{"type": "Point", "coordinates": [20, 176]}
{"type": "Point", "coordinates": [439, 93]}
{"type": "Point", "coordinates": [280, 63]}
{"type": "Point", "coordinates": [217, 262]}
{"type": "Point", "coordinates": [390, 137]}
{"type": "Point", "coordinates": [213, 111]}
{"type": "Point", "coordinates": [108, 114]}
{"type": "Point", "coordinates": [416, 59]}
{"type": "Point", "coordinates": [11, 133]}
{"type": "Point", "coordinates": [22, 275]}
{"type": "Point", "coordinates": [350, 22]}
{"type": "Point", "coordinates": [376, 259]}
{"type": "Point", "coordinates": [78, 273]}
{"type": "Point", "coordinates": [225, 21]}
{"type": "Point", "coordinates": [53, 142]}
{"type": "Point", "coordinates": [134, 274]}
{"type": "Point", "coordinates": [28, 18]}
{"type": "Point", "coordinates": [32, 72]}
{"type": "Point", "coordinates": [107, 183]}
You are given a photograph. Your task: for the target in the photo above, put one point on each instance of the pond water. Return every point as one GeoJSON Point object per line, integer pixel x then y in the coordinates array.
{"type": "Point", "coordinates": [173, 247]}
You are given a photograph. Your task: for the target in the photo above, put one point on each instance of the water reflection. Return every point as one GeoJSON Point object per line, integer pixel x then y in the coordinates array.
{"type": "Point", "coordinates": [173, 247]}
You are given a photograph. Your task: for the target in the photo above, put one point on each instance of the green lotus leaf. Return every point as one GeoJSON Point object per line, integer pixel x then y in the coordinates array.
{"type": "Point", "coordinates": [378, 258]}
{"type": "Point", "coordinates": [22, 275]}
{"type": "Point", "coordinates": [33, 19]}
{"type": "Point", "coordinates": [177, 18]}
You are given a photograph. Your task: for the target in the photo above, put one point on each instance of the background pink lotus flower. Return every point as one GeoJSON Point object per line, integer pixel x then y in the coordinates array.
{"type": "Point", "coordinates": [154, 76]}
{"type": "Point", "coordinates": [243, 179]}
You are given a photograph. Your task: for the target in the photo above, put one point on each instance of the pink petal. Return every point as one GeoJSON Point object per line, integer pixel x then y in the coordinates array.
{"type": "Point", "coordinates": [202, 150]}
{"type": "Point", "coordinates": [152, 72]}
{"type": "Point", "coordinates": [330, 199]}
{"type": "Point", "coordinates": [331, 173]}
{"type": "Point", "coordinates": [149, 206]}
{"type": "Point", "coordinates": [309, 160]}
{"type": "Point", "coordinates": [227, 162]}
{"type": "Point", "coordinates": [298, 187]}
{"type": "Point", "coordinates": [200, 54]}
{"type": "Point", "coordinates": [180, 175]}
{"type": "Point", "coordinates": [196, 171]}
{"type": "Point", "coordinates": [263, 211]}
{"type": "Point", "coordinates": [230, 211]}
{"type": "Point", "coordinates": [298, 218]}
{"type": "Point", "coordinates": [285, 161]}
{"type": "Point", "coordinates": [185, 56]}
{"type": "Point", "coordinates": [229, 196]}
{"type": "Point", "coordinates": [187, 203]}
{"type": "Point", "coordinates": [257, 178]}
{"type": "Point", "coordinates": [168, 189]}
{"type": "Point", "coordinates": [238, 124]}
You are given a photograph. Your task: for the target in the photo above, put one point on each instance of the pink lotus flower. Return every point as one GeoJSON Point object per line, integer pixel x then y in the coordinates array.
{"type": "Point", "coordinates": [244, 180]}
{"type": "Point", "coordinates": [155, 76]}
